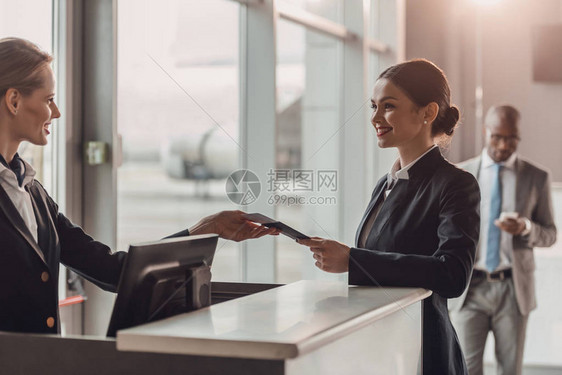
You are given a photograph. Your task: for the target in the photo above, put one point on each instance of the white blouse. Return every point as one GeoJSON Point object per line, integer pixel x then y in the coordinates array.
{"type": "Point", "coordinates": [19, 196]}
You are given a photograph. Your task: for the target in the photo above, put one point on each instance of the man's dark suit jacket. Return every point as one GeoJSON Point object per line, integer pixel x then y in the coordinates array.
{"type": "Point", "coordinates": [425, 235]}
{"type": "Point", "coordinates": [29, 271]}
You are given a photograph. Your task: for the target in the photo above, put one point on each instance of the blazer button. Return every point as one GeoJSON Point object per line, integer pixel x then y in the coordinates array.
{"type": "Point", "coordinates": [50, 322]}
{"type": "Point", "coordinates": [44, 276]}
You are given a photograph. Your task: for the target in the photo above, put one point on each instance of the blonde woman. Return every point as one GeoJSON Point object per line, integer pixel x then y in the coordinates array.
{"type": "Point", "coordinates": [34, 236]}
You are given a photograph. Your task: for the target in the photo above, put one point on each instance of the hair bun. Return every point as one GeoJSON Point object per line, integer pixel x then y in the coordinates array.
{"type": "Point", "coordinates": [452, 116]}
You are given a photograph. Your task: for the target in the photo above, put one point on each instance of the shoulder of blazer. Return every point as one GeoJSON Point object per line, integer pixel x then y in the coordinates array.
{"type": "Point", "coordinates": [426, 166]}
{"type": "Point", "coordinates": [445, 176]}
{"type": "Point", "coordinates": [529, 168]}
{"type": "Point", "coordinates": [455, 175]}
{"type": "Point", "coordinates": [434, 164]}
{"type": "Point", "coordinates": [471, 165]}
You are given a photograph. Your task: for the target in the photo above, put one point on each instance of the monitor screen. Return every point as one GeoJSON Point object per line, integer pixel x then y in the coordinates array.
{"type": "Point", "coordinates": [162, 279]}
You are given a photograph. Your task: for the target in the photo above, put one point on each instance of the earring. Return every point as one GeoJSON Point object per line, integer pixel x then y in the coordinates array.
{"type": "Point", "coordinates": [425, 122]}
{"type": "Point", "coordinates": [15, 112]}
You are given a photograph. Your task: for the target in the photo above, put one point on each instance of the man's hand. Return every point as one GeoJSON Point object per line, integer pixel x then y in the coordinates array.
{"type": "Point", "coordinates": [231, 225]}
{"type": "Point", "coordinates": [511, 225]}
{"type": "Point", "coordinates": [331, 256]}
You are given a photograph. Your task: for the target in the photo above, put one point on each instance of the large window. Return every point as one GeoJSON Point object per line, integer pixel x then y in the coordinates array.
{"type": "Point", "coordinates": [304, 183]}
{"type": "Point", "coordinates": [382, 29]}
{"type": "Point", "coordinates": [328, 9]}
{"type": "Point", "coordinates": [208, 87]}
{"type": "Point", "coordinates": [178, 114]}
{"type": "Point", "coordinates": [178, 100]}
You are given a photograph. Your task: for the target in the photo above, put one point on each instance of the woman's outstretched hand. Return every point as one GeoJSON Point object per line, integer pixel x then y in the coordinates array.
{"type": "Point", "coordinates": [231, 225]}
{"type": "Point", "coordinates": [330, 256]}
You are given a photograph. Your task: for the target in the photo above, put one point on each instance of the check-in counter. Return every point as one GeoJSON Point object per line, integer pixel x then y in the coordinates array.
{"type": "Point", "coordinates": [308, 327]}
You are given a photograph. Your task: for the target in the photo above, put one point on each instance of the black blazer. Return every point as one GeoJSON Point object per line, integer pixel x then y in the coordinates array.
{"type": "Point", "coordinates": [425, 235]}
{"type": "Point", "coordinates": [29, 271]}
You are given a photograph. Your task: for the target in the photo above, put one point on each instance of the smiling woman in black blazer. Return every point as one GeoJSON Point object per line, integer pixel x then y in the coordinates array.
{"type": "Point", "coordinates": [421, 226]}
{"type": "Point", "coordinates": [34, 236]}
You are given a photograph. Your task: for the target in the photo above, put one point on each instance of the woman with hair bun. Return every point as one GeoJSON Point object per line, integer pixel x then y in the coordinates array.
{"type": "Point", "coordinates": [422, 224]}
{"type": "Point", "coordinates": [34, 236]}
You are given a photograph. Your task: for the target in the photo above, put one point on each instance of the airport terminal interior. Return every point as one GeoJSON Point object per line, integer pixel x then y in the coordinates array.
{"type": "Point", "coordinates": [172, 110]}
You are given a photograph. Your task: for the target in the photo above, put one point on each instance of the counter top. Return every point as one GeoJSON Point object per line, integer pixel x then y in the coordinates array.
{"type": "Point", "coordinates": [280, 323]}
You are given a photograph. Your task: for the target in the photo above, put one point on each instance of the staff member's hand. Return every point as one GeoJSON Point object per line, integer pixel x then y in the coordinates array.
{"type": "Point", "coordinates": [331, 256]}
{"type": "Point", "coordinates": [511, 225]}
{"type": "Point", "coordinates": [231, 225]}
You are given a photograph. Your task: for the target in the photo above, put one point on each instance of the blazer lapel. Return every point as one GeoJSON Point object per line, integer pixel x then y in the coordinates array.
{"type": "Point", "coordinates": [44, 223]}
{"type": "Point", "coordinates": [477, 169]}
{"type": "Point", "coordinates": [393, 204]}
{"type": "Point", "coordinates": [403, 193]}
{"type": "Point", "coordinates": [15, 218]}
{"type": "Point", "coordinates": [520, 191]}
{"type": "Point", "coordinates": [377, 197]}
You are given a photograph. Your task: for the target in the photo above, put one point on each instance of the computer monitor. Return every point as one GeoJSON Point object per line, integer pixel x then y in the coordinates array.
{"type": "Point", "coordinates": [162, 279]}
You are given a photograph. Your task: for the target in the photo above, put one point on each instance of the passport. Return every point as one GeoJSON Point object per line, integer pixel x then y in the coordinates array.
{"type": "Point", "coordinates": [271, 223]}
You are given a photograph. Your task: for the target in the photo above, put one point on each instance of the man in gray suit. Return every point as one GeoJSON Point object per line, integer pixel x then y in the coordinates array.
{"type": "Point", "coordinates": [516, 216]}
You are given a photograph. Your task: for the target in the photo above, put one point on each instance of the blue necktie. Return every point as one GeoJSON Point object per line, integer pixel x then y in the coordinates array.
{"type": "Point", "coordinates": [494, 233]}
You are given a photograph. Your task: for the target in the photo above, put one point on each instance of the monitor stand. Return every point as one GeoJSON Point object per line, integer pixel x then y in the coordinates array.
{"type": "Point", "coordinates": [172, 291]}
